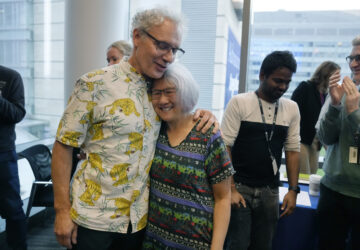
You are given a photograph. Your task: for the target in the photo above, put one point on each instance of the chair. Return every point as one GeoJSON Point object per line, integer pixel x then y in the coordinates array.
{"type": "Point", "coordinates": [41, 195]}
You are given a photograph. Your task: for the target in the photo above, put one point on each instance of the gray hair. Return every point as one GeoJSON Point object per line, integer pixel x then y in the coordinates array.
{"type": "Point", "coordinates": [123, 46]}
{"type": "Point", "coordinates": [356, 41]}
{"type": "Point", "coordinates": [146, 19]}
{"type": "Point", "coordinates": [187, 87]}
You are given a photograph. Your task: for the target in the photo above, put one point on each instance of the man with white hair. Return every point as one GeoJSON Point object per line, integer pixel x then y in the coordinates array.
{"type": "Point", "coordinates": [339, 204]}
{"type": "Point", "coordinates": [110, 116]}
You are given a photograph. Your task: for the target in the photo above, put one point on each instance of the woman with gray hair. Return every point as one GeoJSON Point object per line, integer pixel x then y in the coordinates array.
{"type": "Point", "coordinates": [117, 50]}
{"type": "Point", "coordinates": [189, 204]}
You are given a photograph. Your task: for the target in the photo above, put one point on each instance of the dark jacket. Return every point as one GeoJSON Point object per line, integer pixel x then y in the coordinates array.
{"type": "Point", "coordinates": [308, 99]}
{"type": "Point", "coordinates": [12, 108]}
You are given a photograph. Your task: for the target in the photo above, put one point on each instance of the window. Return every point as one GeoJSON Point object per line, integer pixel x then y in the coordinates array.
{"type": "Point", "coordinates": [32, 43]}
{"type": "Point", "coordinates": [313, 32]}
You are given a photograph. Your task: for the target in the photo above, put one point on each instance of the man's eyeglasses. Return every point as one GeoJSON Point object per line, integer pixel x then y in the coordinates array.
{"type": "Point", "coordinates": [165, 47]}
{"type": "Point", "coordinates": [168, 92]}
{"type": "Point", "coordinates": [349, 59]}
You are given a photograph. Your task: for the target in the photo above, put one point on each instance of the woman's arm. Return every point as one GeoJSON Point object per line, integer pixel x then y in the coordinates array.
{"type": "Point", "coordinates": [222, 208]}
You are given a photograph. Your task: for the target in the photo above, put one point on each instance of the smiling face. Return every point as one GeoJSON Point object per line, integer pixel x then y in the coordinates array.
{"type": "Point", "coordinates": [146, 58]}
{"type": "Point", "coordinates": [275, 85]}
{"type": "Point", "coordinates": [165, 101]}
{"type": "Point", "coordinates": [113, 56]}
{"type": "Point", "coordinates": [354, 65]}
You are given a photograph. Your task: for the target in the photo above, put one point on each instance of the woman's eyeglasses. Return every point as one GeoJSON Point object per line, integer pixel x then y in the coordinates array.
{"type": "Point", "coordinates": [168, 92]}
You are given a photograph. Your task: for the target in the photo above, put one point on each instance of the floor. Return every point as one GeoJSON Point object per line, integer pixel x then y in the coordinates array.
{"type": "Point", "coordinates": [40, 233]}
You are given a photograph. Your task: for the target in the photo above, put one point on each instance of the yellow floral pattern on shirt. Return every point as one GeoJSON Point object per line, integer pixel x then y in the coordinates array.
{"type": "Point", "coordinates": [125, 105]}
{"type": "Point", "coordinates": [110, 116]}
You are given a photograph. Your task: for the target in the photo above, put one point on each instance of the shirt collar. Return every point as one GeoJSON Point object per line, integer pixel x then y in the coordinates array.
{"type": "Point", "coordinates": [131, 72]}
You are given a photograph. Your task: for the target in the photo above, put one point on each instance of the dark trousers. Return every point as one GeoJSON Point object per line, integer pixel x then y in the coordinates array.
{"type": "Point", "coordinates": [10, 201]}
{"type": "Point", "coordinates": [338, 218]}
{"type": "Point", "coordinates": [253, 227]}
{"type": "Point", "coordinates": [88, 239]}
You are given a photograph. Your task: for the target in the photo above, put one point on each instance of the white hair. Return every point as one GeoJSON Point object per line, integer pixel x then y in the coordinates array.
{"type": "Point", "coordinates": [144, 20]}
{"type": "Point", "coordinates": [187, 87]}
{"type": "Point", "coordinates": [123, 46]}
{"type": "Point", "coordinates": [356, 41]}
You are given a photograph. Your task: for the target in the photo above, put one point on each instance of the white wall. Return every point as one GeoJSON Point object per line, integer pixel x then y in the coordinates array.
{"type": "Point", "coordinates": [91, 26]}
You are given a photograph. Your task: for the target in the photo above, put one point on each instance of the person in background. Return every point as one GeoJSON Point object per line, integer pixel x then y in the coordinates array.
{"type": "Point", "coordinates": [110, 116]}
{"type": "Point", "coordinates": [339, 203]}
{"type": "Point", "coordinates": [117, 50]}
{"type": "Point", "coordinates": [12, 111]}
{"type": "Point", "coordinates": [190, 173]}
{"type": "Point", "coordinates": [256, 127]}
{"type": "Point", "coordinates": [310, 96]}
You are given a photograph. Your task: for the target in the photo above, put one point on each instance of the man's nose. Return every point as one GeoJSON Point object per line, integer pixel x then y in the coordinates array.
{"type": "Point", "coordinates": [354, 63]}
{"type": "Point", "coordinates": [169, 56]}
{"type": "Point", "coordinates": [283, 86]}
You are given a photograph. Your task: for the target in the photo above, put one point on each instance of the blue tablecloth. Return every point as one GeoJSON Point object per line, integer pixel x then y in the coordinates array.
{"type": "Point", "coordinates": [298, 231]}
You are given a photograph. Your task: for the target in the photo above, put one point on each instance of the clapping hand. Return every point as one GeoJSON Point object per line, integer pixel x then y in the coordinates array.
{"type": "Point", "coordinates": [352, 95]}
{"type": "Point", "coordinates": [335, 89]}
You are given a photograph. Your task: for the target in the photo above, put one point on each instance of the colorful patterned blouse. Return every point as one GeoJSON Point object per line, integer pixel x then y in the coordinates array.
{"type": "Point", "coordinates": [110, 116]}
{"type": "Point", "coordinates": [181, 197]}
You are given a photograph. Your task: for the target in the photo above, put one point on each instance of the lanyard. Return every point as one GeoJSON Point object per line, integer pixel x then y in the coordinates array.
{"type": "Point", "coordinates": [268, 139]}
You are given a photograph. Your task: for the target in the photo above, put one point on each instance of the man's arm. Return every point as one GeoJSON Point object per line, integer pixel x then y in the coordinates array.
{"type": "Point", "coordinates": [65, 229]}
{"type": "Point", "coordinates": [236, 197]}
{"type": "Point", "coordinates": [207, 120]}
{"type": "Point", "coordinates": [292, 169]}
{"type": "Point", "coordinates": [329, 125]}
{"type": "Point", "coordinates": [352, 104]}
{"type": "Point", "coordinates": [12, 108]}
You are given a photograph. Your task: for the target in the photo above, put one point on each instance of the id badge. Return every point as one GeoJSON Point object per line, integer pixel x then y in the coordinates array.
{"type": "Point", "coordinates": [353, 154]}
{"type": "Point", "coordinates": [274, 164]}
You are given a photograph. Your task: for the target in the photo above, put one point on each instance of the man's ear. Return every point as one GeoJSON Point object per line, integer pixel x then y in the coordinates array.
{"type": "Point", "coordinates": [136, 36]}
{"type": "Point", "coordinates": [261, 76]}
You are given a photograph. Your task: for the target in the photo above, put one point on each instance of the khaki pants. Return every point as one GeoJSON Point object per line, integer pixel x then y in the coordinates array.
{"type": "Point", "coordinates": [309, 157]}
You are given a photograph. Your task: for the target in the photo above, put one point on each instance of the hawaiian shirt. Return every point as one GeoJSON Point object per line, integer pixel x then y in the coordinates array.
{"type": "Point", "coordinates": [110, 116]}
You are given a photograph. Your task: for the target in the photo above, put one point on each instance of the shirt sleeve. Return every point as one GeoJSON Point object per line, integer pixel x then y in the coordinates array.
{"type": "Point", "coordinates": [330, 125]}
{"type": "Point", "coordinates": [231, 122]}
{"type": "Point", "coordinates": [12, 108]}
{"type": "Point", "coordinates": [323, 111]}
{"type": "Point", "coordinates": [218, 164]}
{"type": "Point", "coordinates": [77, 116]}
{"type": "Point", "coordinates": [292, 142]}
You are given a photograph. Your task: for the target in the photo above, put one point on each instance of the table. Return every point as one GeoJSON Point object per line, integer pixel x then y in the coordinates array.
{"type": "Point", "coordinates": [298, 231]}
